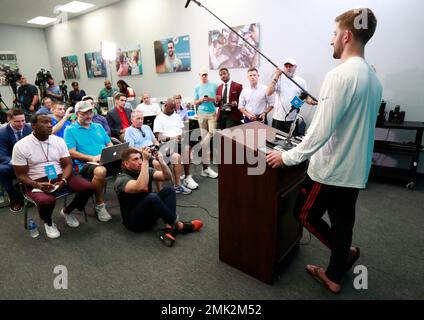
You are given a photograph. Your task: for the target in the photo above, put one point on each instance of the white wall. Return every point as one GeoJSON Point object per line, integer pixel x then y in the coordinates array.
{"type": "Point", "coordinates": [30, 47]}
{"type": "Point", "coordinates": [298, 28]}
{"type": "Point", "coordinates": [301, 29]}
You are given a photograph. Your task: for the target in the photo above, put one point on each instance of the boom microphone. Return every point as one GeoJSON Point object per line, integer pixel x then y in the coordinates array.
{"type": "Point", "coordinates": [187, 3]}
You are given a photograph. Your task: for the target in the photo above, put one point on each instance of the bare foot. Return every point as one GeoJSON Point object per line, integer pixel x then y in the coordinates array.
{"type": "Point", "coordinates": [319, 273]}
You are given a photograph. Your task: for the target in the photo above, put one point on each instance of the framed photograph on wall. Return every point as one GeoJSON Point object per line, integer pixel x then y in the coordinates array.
{"type": "Point", "coordinates": [227, 50]}
{"type": "Point", "coordinates": [95, 65]}
{"type": "Point", "coordinates": [8, 62]}
{"type": "Point", "coordinates": [173, 54]}
{"type": "Point", "coordinates": [70, 67]}
{"type": "Point", "coordinates": [128, 61]}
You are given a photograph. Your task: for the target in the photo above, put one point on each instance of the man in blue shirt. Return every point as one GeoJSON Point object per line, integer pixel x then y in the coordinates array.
{"type": "Point", "coordinates": [46, 106]}
{"type": "Point", "coordinates": [60, 119]}
{"type": "Point", "coordinates": [204, 98]}
{"type": "Point", "coordinates": [53, 91]}
{"type": "Point", "coordinates": [85, 141]}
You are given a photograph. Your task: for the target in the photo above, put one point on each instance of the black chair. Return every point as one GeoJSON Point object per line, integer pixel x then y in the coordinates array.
{"type": "Point", "coordinates": [149, 120]}
{"type": "Point", "coordinates": [63, 193]}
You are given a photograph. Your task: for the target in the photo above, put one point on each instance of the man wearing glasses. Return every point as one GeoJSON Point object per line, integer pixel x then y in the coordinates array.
{"type": "Point", "coordinates": [85, 141]}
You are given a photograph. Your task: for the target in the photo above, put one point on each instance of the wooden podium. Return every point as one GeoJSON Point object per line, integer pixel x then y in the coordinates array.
{"type": "Point", "coordinates": [257, 228]}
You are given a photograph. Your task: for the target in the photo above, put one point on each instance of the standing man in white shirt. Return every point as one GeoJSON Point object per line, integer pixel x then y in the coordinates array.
{"type": "Point", "coordinates": [254, 103]}
{"type": "Point", "coordinates": [339, 144]}
{"type": "Point", "coordinates": [285, 91]}
{"type": "Point", "coordinates": [147, 107]}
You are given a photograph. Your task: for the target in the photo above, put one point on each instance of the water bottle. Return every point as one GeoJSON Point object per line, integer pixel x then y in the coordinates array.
{"type": "Point", "coordinates": [32, 227]}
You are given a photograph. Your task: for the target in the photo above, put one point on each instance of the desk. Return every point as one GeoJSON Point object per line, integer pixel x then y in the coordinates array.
{"type": "Point", "coordinates": [406, 149]}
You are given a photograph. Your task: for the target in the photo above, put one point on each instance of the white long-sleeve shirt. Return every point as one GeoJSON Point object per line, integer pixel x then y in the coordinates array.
{"type": "Point", "coordinates": [340, 139]}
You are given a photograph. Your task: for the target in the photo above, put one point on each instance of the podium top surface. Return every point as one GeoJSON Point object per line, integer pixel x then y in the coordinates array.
{"type": "Point", "coordinates": [252, 135]}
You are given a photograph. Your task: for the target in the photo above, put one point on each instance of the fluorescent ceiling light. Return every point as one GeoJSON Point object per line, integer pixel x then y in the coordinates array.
{"type": "Point", "coordinates": [75, 6]}
{"type": "Point", "coordinates": [42, 20]}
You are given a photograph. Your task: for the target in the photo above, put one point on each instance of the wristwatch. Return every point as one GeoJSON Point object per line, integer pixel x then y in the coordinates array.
{"type": "Point", "coordinates": [65, 181]}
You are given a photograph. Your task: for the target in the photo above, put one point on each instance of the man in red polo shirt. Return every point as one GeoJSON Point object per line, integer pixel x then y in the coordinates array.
{"type": "Point", "coordinates": [119, 118]}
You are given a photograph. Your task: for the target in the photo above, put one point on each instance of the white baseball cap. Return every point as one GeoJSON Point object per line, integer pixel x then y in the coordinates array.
{"type": "Point", "coordinates": [292, 61]}
{"type": "Point", "coordinates": [83, 106]}
{"type": "Point", "coordinates": [203, 71]}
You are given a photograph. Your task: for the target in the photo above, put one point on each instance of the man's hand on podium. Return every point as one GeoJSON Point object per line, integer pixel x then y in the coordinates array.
{"type": "Point", "coordinates": [274, 159]}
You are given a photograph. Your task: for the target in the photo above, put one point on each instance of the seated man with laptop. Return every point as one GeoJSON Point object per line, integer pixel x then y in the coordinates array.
{"type": "Point", "coordinates": [85, 141]}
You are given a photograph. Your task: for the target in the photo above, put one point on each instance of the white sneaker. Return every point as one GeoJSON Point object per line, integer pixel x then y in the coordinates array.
{"type": "Point", "coordinates": [181, 189]}
{"type": "Point", "coordinates": [70, 219]}
{"type": "Point", "coordinates": [51, 231]}
{"type": "Point", "coordinates": [182, 177]}
{"type": "Point", "coordinates": [190, 183]}
{"type": "Point", "coordinates": [208, 172]}
{"type": "Point", "coordinates": [102, 213]}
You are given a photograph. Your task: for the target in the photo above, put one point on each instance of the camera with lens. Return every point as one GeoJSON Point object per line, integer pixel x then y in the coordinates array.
{"type": "Point", "coordinates": [42, 77]}
{"type": "Point", "coordinates": [396, 115]}
{"type": "Point", "coordinates": [12, 76]}
{"type": "Point", "coordinates": [153, 148]}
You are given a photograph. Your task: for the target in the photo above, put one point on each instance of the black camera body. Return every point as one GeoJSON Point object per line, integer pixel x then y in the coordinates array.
{"type": "Point", "coordinates": [12, 76]}
{"type": "Point", "coordinates": [396, 116]}
{"type": "Point", "coordinates": [153, 148]}
{"type": "Point", "coordinates": [42, 77]}
{"type": "Point", "coordinates": [381, 118]}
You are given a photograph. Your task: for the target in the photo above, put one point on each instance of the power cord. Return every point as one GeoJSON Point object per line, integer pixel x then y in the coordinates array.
{"type": "Point", "coordinates": [196, 206]}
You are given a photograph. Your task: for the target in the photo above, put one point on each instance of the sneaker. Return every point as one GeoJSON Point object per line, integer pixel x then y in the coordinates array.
{"type": "Point", "coordinates": [167, 236]}
{"type": "Point", "coordinates": [14, 206]}
{"type": "Point", "coordinates": [190, 226]}
{"type": "Point", "coordinates": [190, 183]}
{"type": "Point", "coordinates": [208, 172]}
{"type": "Point", "coordinates": [51, 231]}
{"type": "Point", "coordinates": [102, 213]}
{"type": "Point", "coordinates": [181, 189]}
{"type": "Point", "coordinates": [70, 219]}
{"type": "Point", "coordinates": [182, 177]}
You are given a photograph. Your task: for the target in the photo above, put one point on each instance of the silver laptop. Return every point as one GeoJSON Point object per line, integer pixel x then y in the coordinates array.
{"type": "Point", "coordinates": [113, 153]}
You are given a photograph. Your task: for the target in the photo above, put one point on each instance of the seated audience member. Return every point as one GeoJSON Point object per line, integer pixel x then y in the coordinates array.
{"type": "Point", "coordinates": [179, 108]}
{"type": "Point", "coordinates": [76, 94]}
{"type": "Point", "coordinates": [14, 131]}
{"type": "Point", "coordinates": [41, 161]}
{"type": "Point", "coordinates": [46, 106]}
{"type": "Point", "coordinates": [139, 136]}
{"type": "Point", "coordinates": [85, 141]}
{"type": "Point", "coordinates": [147, 107]}
{"type": "Point", "coordinates": [126, 90]}
{"type": "Point", "coordinates": [169, 127]}
{"type": "Point", "coordinates": [106, 92]}
{"type": "Point", "coordinates": [140, 208]}
{"type": "Point", "coordinates": [97, 118]}
{"type": "Point", "coordinates": [60, 119]}
{"type": "Point", "coordinates": [119, 118]}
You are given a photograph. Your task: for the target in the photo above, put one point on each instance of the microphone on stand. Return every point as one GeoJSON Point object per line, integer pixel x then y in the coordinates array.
{"type": "Point", "coordinates": [298, 101]}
